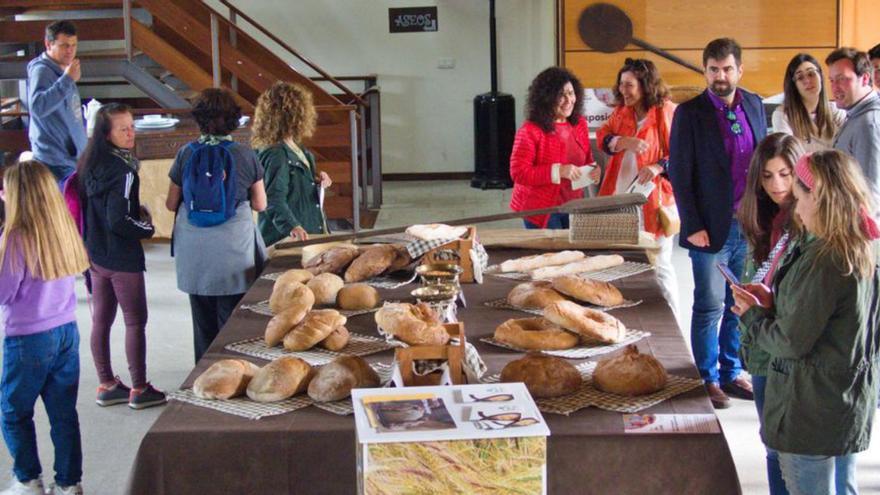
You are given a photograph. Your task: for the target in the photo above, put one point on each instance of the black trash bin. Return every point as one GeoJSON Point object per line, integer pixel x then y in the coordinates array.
{"type": "Point", "coordinates": [494, 128]}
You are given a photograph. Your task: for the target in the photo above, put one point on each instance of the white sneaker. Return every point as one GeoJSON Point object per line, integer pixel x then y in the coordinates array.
{"type": "Point", "coordinates": [32, 487]}
{"type": "Point", "coordinates": [76, 489]}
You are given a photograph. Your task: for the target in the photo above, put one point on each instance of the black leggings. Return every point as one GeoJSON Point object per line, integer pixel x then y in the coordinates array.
{"type": "Point", "coordinates": [209, 314]}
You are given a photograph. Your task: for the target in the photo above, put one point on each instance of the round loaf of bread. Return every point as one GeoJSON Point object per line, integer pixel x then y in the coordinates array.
{"type": "Point", "coordinates": [287, 293]}
{"type": "Point", "coordinates": [225, 379]}
{"type": "Point", "coordinates": [590, 324]}
{"type": "Point", "coordinates": [337, 340]}
{"type": "Point", "coordinates": [325, 287]}
{"type": "Point", "coordinates": [356, 297]}
{"type": "Point", "coordinates": [281, 379]}
{"type": "Point", "coordinates": [630, 373]}
{"type": "Point", "coordinates": [588, 290]}
{"type": "Point", "coordinates": [297, 275]}
{"type": "Point", "coordinates": [334, 380]}
{"type": "Point", "coordinates": [533, 295]}
{"type": "Point", "coordinates": [414, 324]}
{"type": "Point", "coordinates": [535, 334]}
{"type": "Point", "coordinates": [544, 376]}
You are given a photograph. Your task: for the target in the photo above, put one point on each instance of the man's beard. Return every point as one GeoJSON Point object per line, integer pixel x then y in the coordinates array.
{"type": "Point", "coordinates": [722, 89]}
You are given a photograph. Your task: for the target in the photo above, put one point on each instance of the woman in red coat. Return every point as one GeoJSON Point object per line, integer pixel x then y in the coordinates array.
{"type": "Point", "coordinates": [636, 137]}
{"type": "Point", "coordinates": [549, 148]}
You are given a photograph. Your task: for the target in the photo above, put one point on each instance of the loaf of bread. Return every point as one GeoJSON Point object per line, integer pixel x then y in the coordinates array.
{"type": "Point", "coordinates": [297, 275]}
{"type": "Point", "coordinates": [334, 380]}
{"type": "Point", "coordinates": [538, 334]}
{"type": "Point", "coordinates": [373, 261]}
{"type": "Point", "coordinates": [432, 231]}
{"type": "Point", "coordinates": [356, 297]}
{"type": "Point", "coordinates": [312, 251]}
{"type": "Point", "coordinates": [334, 260]}
{"type": "Point", "coordinates": [288, 293]}
{"type": "Point", "coordinates": [415, 324]}
{"type": "Point", "coordinates": [337, 339]}
{"type": "Point", "coordinates": [591, 324]}
{"type": "Point", "coordinates": [401, 260]}
{"type": "Point", "coordinates": [533, 295]}
{"type": "Point", "coordinates": [325, 287]}
{"type": "Point", "coordinates": [281, 379]}
{"type": "Point", "coordinates": [282, 323]}
{"type": "Point", "coordinates": [630, 373]}
{"type": "Point", "coordinates": [225, 379]}
{"type": "Point", "coordinates": [588, 290]}
{"type": "Point", "coordinates": [315, 327]}
{"type": "Point", "coordinates": [590, 264]}
{"type": "Point", "coordinates": [529, 263]}
{"type": "Point", "coordinates": [544, 376]}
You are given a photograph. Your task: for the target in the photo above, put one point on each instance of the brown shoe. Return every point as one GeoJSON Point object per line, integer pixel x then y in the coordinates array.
{"type": "Point", "coordinates": [741, 388]}
{"type": "Point", "coordinates": [719, 399]}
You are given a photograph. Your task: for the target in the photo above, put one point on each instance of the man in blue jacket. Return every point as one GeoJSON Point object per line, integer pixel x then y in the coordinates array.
{"type": "Point", "coordinates": [711, 143]}
{"type": "Point", "coordinates": [56, 128]}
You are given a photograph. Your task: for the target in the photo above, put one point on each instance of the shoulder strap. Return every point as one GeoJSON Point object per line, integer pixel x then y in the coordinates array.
{"type": "Point", "coordinates": [662, 130]}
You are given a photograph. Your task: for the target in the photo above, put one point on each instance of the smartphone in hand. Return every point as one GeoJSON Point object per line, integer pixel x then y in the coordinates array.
{"type": "Point", "coordinates": [728, 275]}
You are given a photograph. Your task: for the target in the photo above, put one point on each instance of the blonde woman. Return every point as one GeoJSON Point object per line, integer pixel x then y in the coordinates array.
{"type": "Point", "coordinates": [284, 117]}
{"type": "Point", "coordinates": [40, 252]}
{"type": "Point", "coordinates": [819, 326]}
{"type": "Point", "coordinates": [805, 112]}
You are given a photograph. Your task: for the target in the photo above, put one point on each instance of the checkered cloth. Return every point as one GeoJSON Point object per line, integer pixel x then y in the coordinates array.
{"type": "Point", "coordinates": [358, 345]}
{"type": "Point", "coordinates": [581, 351]}
{"type": "Point", "coordinates": [587, 395]}
{"type": "Point", "coordinates": [262, 308]}
{"type": "Point", "coordinates": [344, 406]}
{"type": "Point", "coordinates": [627, 269]}
{"type": "Point", "coordinates": [503, 304]}
{"type": "Point", "coordinates": [243, 406]}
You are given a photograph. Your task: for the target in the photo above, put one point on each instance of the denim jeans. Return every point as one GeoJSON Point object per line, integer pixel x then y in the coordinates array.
{"type": "Point", "coordinates": [774, 473]}
{"type": "Point", "coordinates": [556, 221]}
{"type": "Point", "coordinates": [43, 365]}
{"type": "Point", "coordinates": [712, 302]}
{"type": "Point", "coordinates": [819, 475]}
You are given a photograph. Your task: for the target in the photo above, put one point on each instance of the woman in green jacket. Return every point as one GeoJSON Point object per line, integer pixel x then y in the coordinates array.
{"type": "Point", "coordinates": [284, 117]}
{"type": "Point", "coordinates": [819, 325]}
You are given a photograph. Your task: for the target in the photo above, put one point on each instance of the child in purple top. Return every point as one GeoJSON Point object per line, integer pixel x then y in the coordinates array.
{"type": "Point", "coordinates": [40, 252]}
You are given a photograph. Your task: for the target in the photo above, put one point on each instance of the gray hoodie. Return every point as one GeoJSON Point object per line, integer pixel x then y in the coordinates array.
{"type": "Point", "coordinates": [56, 129]}
{"type": "Point", "coordinates": [860, 137]}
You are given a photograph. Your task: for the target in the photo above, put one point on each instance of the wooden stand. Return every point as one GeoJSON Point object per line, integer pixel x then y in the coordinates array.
{"type": "Point", "coordinates": [452, 353]}
{"type": "Point", "coordinates": [463, 248]}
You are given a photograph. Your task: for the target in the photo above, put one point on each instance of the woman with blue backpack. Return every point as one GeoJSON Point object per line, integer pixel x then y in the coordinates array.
{"type": "Point", "coordinates": [215, 183]}
{"type": "Point", "coordinates": [114, 225]}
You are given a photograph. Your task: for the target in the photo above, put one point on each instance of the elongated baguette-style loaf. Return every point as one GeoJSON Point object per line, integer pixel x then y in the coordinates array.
{"type": "Point", "coordinates": [590, 264]}
{"type": "Point", "coordinates": [529, 263]}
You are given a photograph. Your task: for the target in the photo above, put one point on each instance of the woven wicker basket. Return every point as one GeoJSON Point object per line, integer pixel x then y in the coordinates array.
{"type": "Point", "coordinates": [613, 226]}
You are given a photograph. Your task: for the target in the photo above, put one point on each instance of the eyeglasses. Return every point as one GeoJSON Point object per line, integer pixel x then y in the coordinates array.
{"type": "Point", "coordinates": [735, 126]}
{"type": "Point", "coordinates": [807, 74]}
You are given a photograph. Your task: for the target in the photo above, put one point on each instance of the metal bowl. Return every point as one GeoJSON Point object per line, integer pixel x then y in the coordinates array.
{"type": "Point", "coordinates": [439, 273]}
{"type": "Point", "coordinates": [435, 293]}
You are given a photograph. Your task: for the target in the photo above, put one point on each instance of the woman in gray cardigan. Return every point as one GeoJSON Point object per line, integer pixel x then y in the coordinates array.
{"type": "Point", "coordinates": [819, 325]}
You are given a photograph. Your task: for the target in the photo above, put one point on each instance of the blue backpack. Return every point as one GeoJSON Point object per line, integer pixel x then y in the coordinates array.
{"type": "Point", "coordinates": [209, 184]}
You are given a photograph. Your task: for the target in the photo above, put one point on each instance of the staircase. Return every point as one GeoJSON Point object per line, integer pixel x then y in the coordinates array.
{"type": "Point", "coordinates": [172, 49]}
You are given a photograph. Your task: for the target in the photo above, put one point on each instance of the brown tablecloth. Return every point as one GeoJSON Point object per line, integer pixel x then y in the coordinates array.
{"type": "Point", "coordinates": [195, 450]}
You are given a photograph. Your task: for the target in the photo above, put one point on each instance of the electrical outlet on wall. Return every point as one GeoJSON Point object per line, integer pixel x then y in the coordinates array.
{"type": "Point", "coordinates": [446, 63]}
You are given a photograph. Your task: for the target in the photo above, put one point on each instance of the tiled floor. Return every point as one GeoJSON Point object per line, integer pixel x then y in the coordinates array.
{"type": "Point", "coordinates": [111, 436]}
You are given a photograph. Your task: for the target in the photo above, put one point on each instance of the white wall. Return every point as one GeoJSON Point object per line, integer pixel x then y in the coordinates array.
{"type": "Point", "coordinates": [427, 112]}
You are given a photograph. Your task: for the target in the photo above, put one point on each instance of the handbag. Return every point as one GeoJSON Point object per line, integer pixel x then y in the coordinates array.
{"type": "Point", "coordinates": [667, 215]}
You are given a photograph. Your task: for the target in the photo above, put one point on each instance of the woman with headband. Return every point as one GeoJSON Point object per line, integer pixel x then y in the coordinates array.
{"type": "Point", "coordinates": [819, 325]}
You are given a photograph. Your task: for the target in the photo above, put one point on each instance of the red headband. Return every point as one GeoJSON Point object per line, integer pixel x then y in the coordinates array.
{"type": "Point", "coordinates": [805, 175]}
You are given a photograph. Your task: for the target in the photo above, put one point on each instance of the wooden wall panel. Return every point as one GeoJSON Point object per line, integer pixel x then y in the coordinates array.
{"type": "Point", "coordinates": [690, 24]}
{"type": "Point", "coordinates": [858, 23]}
{"type": "Point", "coordinates": [763, 68]}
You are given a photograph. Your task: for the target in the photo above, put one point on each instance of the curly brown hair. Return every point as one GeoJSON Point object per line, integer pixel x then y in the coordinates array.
{"type": "Point", "coordinates": [544, 94]}
{"type": "Point", "coordinates": [216, 112]}
{"type": "Point", "coordinates": [654, 90]}
{"type": "Point", "coordinates": [283, 111]}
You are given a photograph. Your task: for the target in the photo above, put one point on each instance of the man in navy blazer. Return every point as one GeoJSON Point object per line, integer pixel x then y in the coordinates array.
{"type": "Point", "coordinates": [711, 143]}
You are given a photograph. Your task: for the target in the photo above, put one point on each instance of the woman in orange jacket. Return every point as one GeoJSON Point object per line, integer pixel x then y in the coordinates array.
{"type": "Point", "coordinates": [636, 137]}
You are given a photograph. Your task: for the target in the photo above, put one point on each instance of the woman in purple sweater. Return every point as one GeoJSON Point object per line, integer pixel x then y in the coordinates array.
{"type": "Point", "coordinates": [40, 252]}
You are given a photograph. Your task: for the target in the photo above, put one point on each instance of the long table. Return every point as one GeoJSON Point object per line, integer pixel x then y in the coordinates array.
{"type": "Point", "coordinates": [196, 450]}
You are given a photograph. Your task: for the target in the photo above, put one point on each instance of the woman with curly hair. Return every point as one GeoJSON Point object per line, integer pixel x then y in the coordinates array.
{"type": "Point", "coordinates": [805, 112]}
{"type": "Point", "coordinates": [549, 148]}
{"type": "Point", "coordinates": [216, 264]}
{"type": "Point", "coordinates": [285, 115]}
{"type": "Point", "coordinates": [636, 137]}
